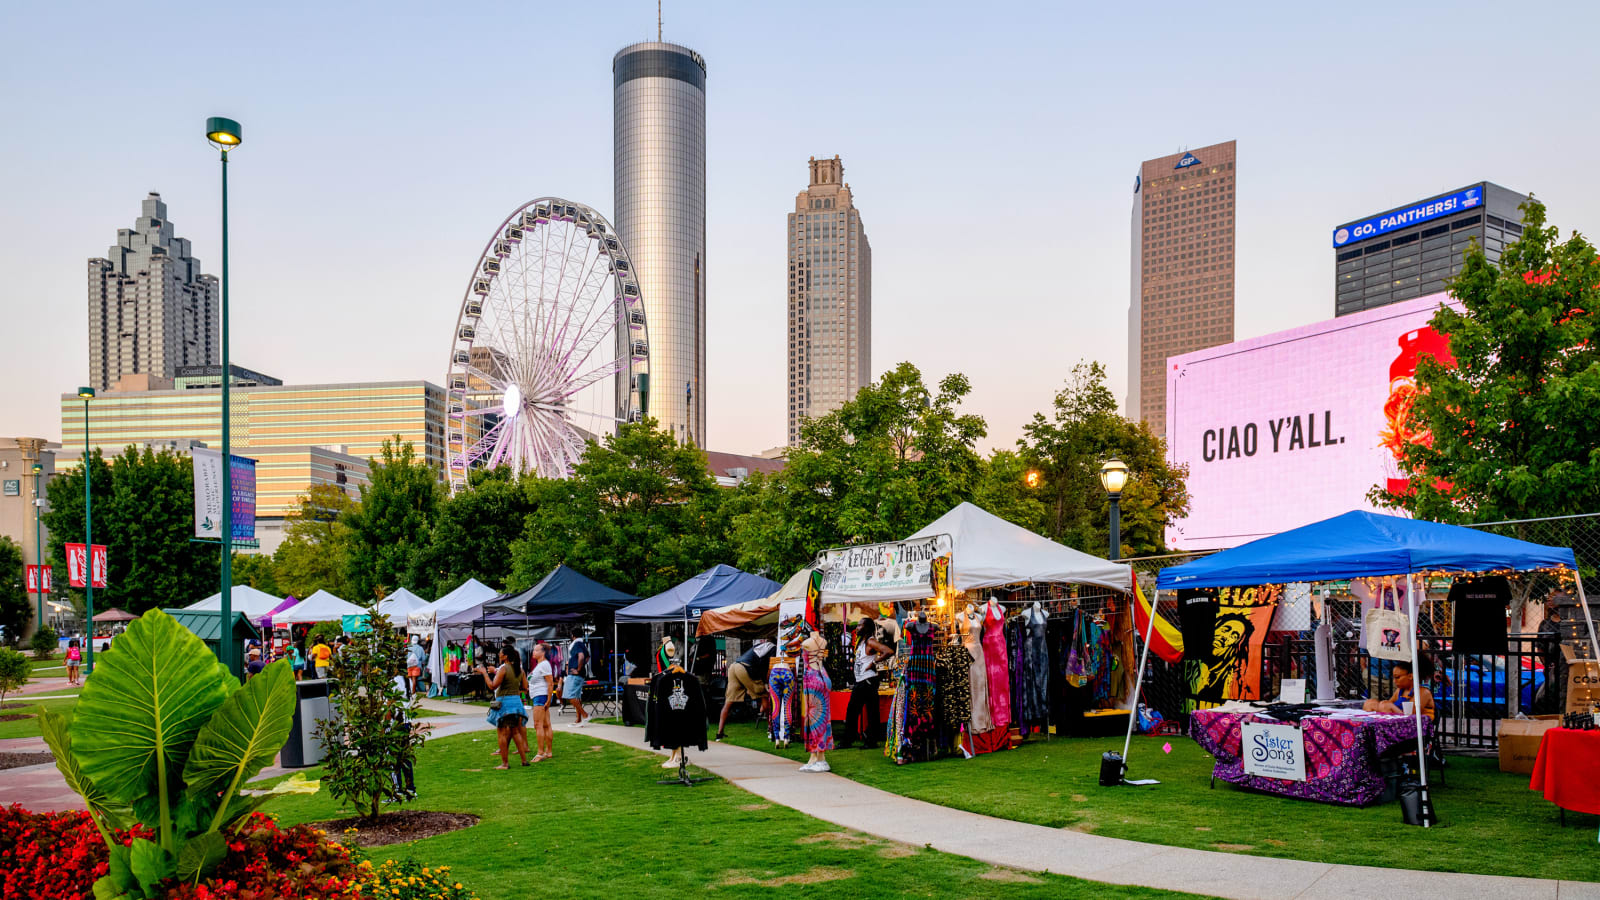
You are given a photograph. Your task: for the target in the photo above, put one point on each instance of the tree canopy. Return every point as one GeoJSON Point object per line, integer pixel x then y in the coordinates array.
{"type": "Point", "coordinates": [393, 522]}
{"type": "Point", "coordinates": [316, 546]}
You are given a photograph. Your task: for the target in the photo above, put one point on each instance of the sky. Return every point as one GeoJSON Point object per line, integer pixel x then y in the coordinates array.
{"type": "Point", "coordinates": [991, 149]}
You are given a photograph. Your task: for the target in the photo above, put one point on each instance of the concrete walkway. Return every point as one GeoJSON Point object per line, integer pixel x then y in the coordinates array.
{"type": "Point", "coordinates": [1035, 848]}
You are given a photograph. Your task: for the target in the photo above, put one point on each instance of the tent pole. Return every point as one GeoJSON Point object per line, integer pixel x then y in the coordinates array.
{"type": "Point", "coordinates": [1416, 696]}
{"type": "Point", "coordinates": [1588, 619]}
{"type": "Point", "coordinates": [1144, 655]}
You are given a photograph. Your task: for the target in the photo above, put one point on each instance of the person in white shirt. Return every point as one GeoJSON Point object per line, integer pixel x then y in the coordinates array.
{"type": "Point", "coordinates": [542, 686]}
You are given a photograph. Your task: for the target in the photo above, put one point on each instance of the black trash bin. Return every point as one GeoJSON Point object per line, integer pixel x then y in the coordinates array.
{"type": "Point", "coordinates": [311, 704]}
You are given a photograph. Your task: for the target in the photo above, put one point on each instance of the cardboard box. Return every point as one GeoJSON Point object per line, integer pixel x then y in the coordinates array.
{"type": "Point", "coordinates": [1583, 678]}
{"type": "Point", "coordinates": [1519, 741]}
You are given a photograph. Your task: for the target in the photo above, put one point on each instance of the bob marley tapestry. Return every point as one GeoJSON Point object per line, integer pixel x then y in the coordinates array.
{"type": "Point", "coordinates": [1223, 630]}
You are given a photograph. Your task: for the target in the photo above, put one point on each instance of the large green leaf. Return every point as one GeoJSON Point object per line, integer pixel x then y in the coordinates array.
{"type": "Point", "coordinates": [151, 865]}
{"type": "Point", "coordinates": [242, 736]}
{"type": "Point", "coordinates": [200, 854]}
{"type": "Point", "coordinates": [106, 815]}
{"type": "Point", "coordinates": [138, 715]}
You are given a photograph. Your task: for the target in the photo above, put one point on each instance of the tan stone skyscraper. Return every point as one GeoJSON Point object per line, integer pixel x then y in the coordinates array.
{"type": "Point", "coordinates": [1182, 285]}
{"type": "Point", "coordinates": [830, 297]}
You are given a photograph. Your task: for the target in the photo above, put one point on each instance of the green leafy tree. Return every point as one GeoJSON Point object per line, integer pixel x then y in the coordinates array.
{"type": "Point", "coordinates": [369, 737]}
{"type": "Point", "coordinates": [393, 522]}
{"type": "Point", "coordinates": [144, 515]}
{"type": "Point", "coordinates": [165, 737]}
{"type": "Point", "coordinates": [1512, 431]}
{"type": "Point", "coordinates": [45, 642]}
{"type": "Point", "coordinates": [316, 545]}
{"type": "Point", "coordinates": [1068, 448]}
{"type": "Point", "coordinates": [63, 518]}
{"type": "Point", "coordinates": [640, 512]}
{"type": "Point", "coordinates": [256, 570]}
{"type": "Point", "coordinates": [1003, 489]}
{"type": "Point", "coordinates": [473, 532]}
{"type": "Point", "coordinates": [876, 469]}
{"type": "Point", "coordinates": [14, 670]}
{"type": "Point", "coordinates": [15, 609]}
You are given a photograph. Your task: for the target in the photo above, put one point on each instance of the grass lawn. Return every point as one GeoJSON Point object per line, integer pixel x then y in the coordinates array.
{"type": "Point", "coordinates": [1490, 822]}
{"type": "Point", "coordinates": [29, 727]}
{"type": "Point", "coordinates": [593, 822]}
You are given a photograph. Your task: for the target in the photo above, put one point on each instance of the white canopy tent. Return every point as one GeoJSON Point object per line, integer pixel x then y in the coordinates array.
{"type": "Point", "coordinates": [245, 599]}
{"type": "Point", "coordinates": [399, 606]}
{"type": "Point", "coordinates": [319, 607]}
{"type": "Point", "coordinates": [426, 620]}
{"type": "Point", "coordinates": [987, 551]}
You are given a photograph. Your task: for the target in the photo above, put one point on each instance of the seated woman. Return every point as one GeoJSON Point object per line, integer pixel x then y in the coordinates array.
{"type": "Point", "coordinates": [1406, 690]}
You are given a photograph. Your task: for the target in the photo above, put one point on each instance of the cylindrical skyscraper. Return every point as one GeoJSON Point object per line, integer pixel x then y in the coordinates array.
{"type": "Point", "coordinates": [660, 198]}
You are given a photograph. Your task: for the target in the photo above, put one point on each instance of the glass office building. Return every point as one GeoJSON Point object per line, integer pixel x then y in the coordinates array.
{"type": "Point", "coordinates": [1412, 250]}
{"type": "Point", "coordinates": [659, 91]}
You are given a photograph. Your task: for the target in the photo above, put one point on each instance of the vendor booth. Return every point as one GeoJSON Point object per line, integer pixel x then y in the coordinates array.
{"type": "Point", "coordinates": [469, 596]}
{"type": "Point", "coordinates": [754, 618]}
{"type": "Point", "coordinates": [255, 604]}
{"type": "Point", "coordinates": [399, 606]}
{"type": "Point", "coordinates": [1332, 753]}
{"type": "Point", "coordinates": [319, 607]}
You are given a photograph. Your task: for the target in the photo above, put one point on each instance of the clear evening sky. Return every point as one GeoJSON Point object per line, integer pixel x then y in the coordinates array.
{"type": "Point", "coordinates": [991, 148]}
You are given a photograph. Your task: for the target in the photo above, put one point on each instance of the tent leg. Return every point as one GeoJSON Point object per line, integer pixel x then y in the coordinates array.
{"type": "Point", "coordinates": [1144, 655]}
{"type": "Point", "coordinates": [1583, 603]}
{"type": "Point", "coordinates": [1416, 697]}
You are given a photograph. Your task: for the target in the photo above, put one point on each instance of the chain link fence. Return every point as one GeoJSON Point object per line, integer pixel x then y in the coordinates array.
{"type": "Point", "coordinates": [1473, 691]}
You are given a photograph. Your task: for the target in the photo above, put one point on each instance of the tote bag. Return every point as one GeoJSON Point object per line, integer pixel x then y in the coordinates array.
{"type": "Point", "coordinates": [1388, 629]}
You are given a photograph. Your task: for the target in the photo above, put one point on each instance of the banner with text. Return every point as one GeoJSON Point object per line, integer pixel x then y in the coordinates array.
{"type": "Point", "coordinates": [873, 573]}
{"type": "Point", "coordinates": [1273, 751]}
{"type": "Point", "coordinates": [208, 496]}
{"type": "Point", "coordinates": [80, 558]}
{"type": "Point", "coordinates": [38, 579]}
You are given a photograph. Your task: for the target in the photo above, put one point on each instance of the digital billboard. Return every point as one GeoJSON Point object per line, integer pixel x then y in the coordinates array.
{"type": "Point", "coordinates": [1294, 427]}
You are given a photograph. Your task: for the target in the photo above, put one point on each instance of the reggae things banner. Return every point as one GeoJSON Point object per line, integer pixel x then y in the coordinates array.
{"type": "Point", "coordinates": [1223, 630]}
{"type": "Point", "coordinates": [901, 570]}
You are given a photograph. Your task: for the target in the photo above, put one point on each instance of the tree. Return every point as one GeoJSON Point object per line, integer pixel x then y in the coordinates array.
{"type": "Point", "coordinates": [316, 545]}
{"type": "Point", "coordinates": [15, 610]}
{"type": "Point", "coordinates": [256, 570]}
{"type": "Point", "coordinates": [640, 512]}
{"type": "Point", "coordinates": [45, 642]}
{"type": "Point", "coordinates": [473, 532]}
{"type": "Point", "coordinates": [63, 517]}
{"type": "Point", "coordinates": [14, 671]}
{"type": "Point", "coordinates": [393, 522]}
{"type": "Point", "coordinates": [143, 514]}
{"type": "Point", "coordinates": [369, 739]}
{"type": "Point", "coordinates": [876, 469]}
{"type": "Point", "coordinates": [1512, 430]}
{"type": "Point", "coordinates": [1069, 448]}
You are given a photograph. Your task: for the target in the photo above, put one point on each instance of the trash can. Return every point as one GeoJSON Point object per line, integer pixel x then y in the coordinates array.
{"type": "Point", "coordinates": [311, 704]}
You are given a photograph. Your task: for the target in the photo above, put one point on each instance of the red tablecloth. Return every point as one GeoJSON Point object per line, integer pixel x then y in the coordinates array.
{"type": "Point", "coordinates": [1566, 768]}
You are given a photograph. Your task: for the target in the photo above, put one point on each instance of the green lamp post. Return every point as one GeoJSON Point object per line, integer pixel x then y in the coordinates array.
{"type": "Point", "coordinates": [1113, 477]}
{"type": "Point", "coordinates": [225, 134]}
{"type": "Point", "coordinates": [38, 541]}
{"type": "Point", "coordinates": [86, 394]}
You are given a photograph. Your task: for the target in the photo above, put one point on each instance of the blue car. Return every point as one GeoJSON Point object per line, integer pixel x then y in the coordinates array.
{"type": "Point", "coordinates": [1484, 685]}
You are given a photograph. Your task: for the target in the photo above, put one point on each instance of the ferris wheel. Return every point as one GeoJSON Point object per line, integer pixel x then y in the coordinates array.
{"type": "Point", "coordinates": [550, 349]}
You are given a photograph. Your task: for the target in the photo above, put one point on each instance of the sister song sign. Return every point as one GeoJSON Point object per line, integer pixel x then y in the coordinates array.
{"type": "Point", "coordinates": [1273, 751]}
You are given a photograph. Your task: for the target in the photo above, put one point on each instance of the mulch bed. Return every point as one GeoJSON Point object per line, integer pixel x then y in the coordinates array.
{"type": "Point", "coordinates": [18, 760]}
{"type": "Point", "coordinates": [394, 827]}
{"type": "Point", "coordinates": [13, 717]}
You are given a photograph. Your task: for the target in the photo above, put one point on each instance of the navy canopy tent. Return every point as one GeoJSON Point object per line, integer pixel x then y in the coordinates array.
{"type": "Point", "coordinates": [564, 590]}
{"type": "Point", "coordinates": [716, 587]}
{"type": "Point", "coordinates": [1361, 545]}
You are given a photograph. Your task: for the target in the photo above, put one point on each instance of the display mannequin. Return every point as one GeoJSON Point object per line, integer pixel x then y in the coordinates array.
{"type": "Point", "coordinates": [970, 626]}
{"type": "Point", "coordinates": [996, 662]}
{"type": "Point", "coordinates": [819, 719]}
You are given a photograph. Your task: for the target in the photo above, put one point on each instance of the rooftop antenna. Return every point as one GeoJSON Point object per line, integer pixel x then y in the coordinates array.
{"type": "Point", "coordinates": [658, 21]}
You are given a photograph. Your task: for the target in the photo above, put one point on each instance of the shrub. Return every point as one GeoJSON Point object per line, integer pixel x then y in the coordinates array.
{"type": "Point", "coordinates": [370, 737]}
{"type": "Point", "coordinates": [45, 642]}
{"type": "Point", "coordinates": [13, 671]}
{"type": "Point", "coordinates": [408, 879]}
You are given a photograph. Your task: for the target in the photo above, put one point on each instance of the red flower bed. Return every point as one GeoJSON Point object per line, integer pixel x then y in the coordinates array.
{"type": "Point", "coordinates": [48, 856]}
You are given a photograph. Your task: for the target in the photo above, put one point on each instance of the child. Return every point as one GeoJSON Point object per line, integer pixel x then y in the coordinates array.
{"type": "Point", "coordinates": [74, 658]}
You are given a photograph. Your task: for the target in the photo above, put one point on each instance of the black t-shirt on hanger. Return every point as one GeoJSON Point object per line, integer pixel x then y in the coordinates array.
{"type": "Point", "coordinates": [1197, 619]}
{"type": "Point", "coordinates": [1480, 614]}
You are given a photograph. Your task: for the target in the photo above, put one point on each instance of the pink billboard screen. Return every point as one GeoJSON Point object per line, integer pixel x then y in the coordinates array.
{"type": "Point", "coordinates": [1293, 427]}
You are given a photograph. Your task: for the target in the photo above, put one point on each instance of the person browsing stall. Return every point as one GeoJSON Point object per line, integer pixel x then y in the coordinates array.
{"type": "Point", "coordinates": [321, 657]}
{"type": "Point", "coordinates": [572, 684]}
{"type": "Point", "coordinates": [747, 680]}
{"type": "Point", "coordinates": [869, 651]}
{"type": "Point", "coordinates": [506, 713]}
{"type": "Point", "coordinates": [1406, 690]}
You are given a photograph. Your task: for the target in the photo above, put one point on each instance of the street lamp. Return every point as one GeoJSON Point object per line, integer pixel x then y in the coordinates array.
{"type": "Point", "coordinates": [38, 541]}
{"type": "Point", "coordinates": [225, 134]}
{"type": "Point", "coordinates": [1113, 477]}
{"type": "Point", "coordinates": [86, 394]}
{"type": "Point", "coordinates": [1033, 478]}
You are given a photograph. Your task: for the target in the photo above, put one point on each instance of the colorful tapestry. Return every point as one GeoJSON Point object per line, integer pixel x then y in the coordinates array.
{"type": "Point", "coordinates": [1228, 667]}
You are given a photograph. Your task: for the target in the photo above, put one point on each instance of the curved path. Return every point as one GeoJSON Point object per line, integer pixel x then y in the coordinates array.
{"type": "Point", "coordinates": [1035, 848]}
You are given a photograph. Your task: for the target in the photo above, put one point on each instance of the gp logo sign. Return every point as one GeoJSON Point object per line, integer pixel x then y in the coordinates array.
{"type": "Point", "coordinates": [1273, 751]}
{"type": "Point", "coordinates": [1189, 159]}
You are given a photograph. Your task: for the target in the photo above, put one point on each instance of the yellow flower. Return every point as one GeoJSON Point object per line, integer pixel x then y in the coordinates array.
{"type": "Point", "coordinates": [458, 885]}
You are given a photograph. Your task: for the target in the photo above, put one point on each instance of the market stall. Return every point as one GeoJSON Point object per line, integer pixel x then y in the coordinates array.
{"type": "Point", "coordinates": [319, 607]}
{"type": "Point", "coordinates": [1391, 552]}
{"type": "Point", "coordinates": [399, 606]}
{"type": "Point", "coordinates": [575, 604]}
{"type": "Point", "coordinates": [468, 597]}
{"type": "Point", "coordinates": [754, 617]}
{"type": "Point", "coordinates": [716, 587]}
{"type": "Point", "coordinates": [255, 604]}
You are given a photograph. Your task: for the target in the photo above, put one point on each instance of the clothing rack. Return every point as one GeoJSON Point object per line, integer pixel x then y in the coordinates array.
{"type": "Point", "coordinates": [683, 772]}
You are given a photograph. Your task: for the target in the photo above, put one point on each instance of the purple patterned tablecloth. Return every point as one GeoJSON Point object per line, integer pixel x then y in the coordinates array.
{"type": "Point", "coordinates": [1341, 754]}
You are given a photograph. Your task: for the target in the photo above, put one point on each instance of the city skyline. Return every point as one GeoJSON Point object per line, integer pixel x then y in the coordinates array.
{"type": "Point", "coordinates": [348, 257]}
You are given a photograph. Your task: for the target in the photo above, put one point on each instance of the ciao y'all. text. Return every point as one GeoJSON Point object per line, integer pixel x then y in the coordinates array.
{"type": "Point", "coordinates": [1281, 435]}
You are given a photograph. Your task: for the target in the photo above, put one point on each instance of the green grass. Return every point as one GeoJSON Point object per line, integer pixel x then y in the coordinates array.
{"type": "Point", "coordinates": [593, 821]}
{"type": "Point", "coordinates": [1491, 823]}
{"type": "Point", "coordinates": [29, 727]}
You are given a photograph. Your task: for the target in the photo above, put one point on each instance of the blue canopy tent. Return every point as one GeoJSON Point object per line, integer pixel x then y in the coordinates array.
{"type": "Point", "coordinates": [714, 588]}
{"type": "Point", "coordinates": [1361, 545]}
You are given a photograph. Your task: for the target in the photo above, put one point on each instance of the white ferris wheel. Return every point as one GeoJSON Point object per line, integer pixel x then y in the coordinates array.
{"type": "Point", "coordinates": [551, 348]}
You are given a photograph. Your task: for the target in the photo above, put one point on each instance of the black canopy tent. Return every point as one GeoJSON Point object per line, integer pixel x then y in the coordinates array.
{"type": "Point", "coordinates": [565, 596]}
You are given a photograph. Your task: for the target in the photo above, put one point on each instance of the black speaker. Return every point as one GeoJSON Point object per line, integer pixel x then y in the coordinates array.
{"type": "Point", "coordinates": [1112, 768]}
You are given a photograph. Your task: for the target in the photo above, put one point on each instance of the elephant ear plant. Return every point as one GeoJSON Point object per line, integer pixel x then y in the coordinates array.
{"type": "Point", "coordinates": [165, 737]}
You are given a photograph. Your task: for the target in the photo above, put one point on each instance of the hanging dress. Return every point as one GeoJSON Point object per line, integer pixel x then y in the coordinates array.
{"type": "Point", "coordinates": [922, 728]}
{"type": "Point", "coordinates": [819, 720]}
{"type": "Point", "coordinates": [953, 693]}
{"type": "Point", "coordinates": [978, 677]}
{"type": "Point", "coordinates": [1038, 686]}
{"type": "Point", "coordinates": [994, 656]}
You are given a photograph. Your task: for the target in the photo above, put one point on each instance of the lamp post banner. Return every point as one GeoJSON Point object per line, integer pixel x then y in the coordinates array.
{"type": "Point", "coordinates": [33, 576]}
{"type": "Point", "coordinates": [78, 562]}
{"type": "Point", "coordinates": [209, 490]}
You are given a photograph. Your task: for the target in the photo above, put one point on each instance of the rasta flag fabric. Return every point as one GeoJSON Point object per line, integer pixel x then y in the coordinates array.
{"type": "Point", "coordinates": [1166, 641]}
{"type": "Point", "coordinates": [939, 574]}
{"type": "Point", "coordinates": [1223, 630]}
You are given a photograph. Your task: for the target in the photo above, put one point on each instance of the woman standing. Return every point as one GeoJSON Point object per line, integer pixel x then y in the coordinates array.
{"type": "Point", "coordinates": [507, 714]}
{"type": "Point", "coordinates": [819, 721]}
{"type": "Point", "coordinates": [544, 677]}
{"type": "Point", "coordinates": [74, 657]}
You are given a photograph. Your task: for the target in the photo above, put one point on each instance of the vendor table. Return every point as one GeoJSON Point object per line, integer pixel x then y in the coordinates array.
{"type": "Point", "coordinates": [839, 704]}
{"type": "Point", "coordinates": [1341, 753]}
{"type": "Point", "coordinates": [1564, 771]}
